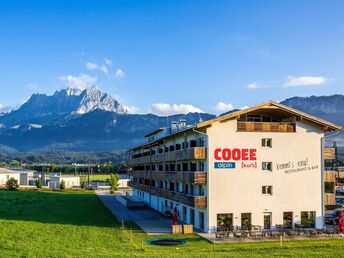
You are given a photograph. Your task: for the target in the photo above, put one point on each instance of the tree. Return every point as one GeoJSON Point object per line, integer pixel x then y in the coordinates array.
{"type": "Point", "coordinates": [39, 184]}
{"type": "Point", "coordinates": [83, 184]}
{"type": "Point", "coordinates": [12, 184]}
{"type": "Point", "coordinates": [113, 182]}
{"type": "Point", "coordinates": [62, 185]}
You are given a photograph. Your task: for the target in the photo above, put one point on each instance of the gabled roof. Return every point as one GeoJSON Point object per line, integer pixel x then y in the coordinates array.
{"type": "Point", "coordinates": [323, 124]}
{"type": "Point", "coordinates": [154, 132]}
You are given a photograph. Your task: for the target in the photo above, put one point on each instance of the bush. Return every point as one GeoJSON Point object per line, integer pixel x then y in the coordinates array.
{"type": "Point", "coordinates": [12, 184]}
{"type": "Point", "coordinates": [39, 184]}
{"type": "Point", "coordinates": [113, 182]}
{"type": "Point", "coordinates": [62, 185]}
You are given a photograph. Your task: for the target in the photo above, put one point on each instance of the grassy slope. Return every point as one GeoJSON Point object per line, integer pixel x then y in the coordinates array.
{"type": "Point", "coordinates": [76, 224]}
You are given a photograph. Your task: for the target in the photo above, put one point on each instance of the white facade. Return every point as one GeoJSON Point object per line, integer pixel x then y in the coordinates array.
{"type": "Point", "coordinates": [239, 190]}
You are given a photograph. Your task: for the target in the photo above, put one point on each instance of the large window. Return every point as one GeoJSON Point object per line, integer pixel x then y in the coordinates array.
{"type": "Point", "coordinates": [288, 219]}
{"type": "Point", "coordinates": [224, 222]}
{"type": "Point", "coordinates": [267, 189]}
{"type": "Point", "coordinates": [246, 221]}
{"type": "Point", "coordinates": [308, 218]}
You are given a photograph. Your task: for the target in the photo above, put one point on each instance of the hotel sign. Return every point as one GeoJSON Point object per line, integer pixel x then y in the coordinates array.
{"type": "Point", "coordinates": [228, 158]}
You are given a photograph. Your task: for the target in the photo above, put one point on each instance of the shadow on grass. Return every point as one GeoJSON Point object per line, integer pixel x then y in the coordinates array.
{"type": "Point", "coordinates": [70, 208]}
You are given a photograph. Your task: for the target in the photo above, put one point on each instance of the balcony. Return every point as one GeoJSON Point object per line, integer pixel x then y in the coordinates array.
{"type": "Point", "coordinates": [330, 199]}
{"type": "Point", "coordinates": [275, 127]}
{"type": "Point", "coordinates": [189, 200]}
{"type": "Point", "coordinates": [198, 177]}
{"type": "Point", "coordinates": [186, 154]}
{"type": "Point", "coordinates": [329, 153]}
{"type": "Point", "coordinates": [329, 176]}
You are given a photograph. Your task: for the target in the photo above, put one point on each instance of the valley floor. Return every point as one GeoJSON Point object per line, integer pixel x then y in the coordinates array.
{"type": "Point", "coordinates": [76, 224]}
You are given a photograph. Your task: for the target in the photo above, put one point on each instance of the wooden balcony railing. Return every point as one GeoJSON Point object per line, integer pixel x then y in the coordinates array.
{"type": "Point", "coordinates": [197, 177]}
{"type": "Point", "coordinates": [329, 176]}
{"type": "Point", "coordinates": [186, 154]}
{"type": "Point", "coordinates": [266, 127]}
{"type": "Point", "coordinates": [189, 200]}
{"type": "Point", "coordinates": [329, 153]}
{"type": "Point", "coordinates": [330, 199]}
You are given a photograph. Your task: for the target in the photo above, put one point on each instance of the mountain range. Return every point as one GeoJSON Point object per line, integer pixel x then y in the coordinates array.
{"type": "Point", "coordinates": [75, 120]}
{"type": "Point", "coordinates": [91, 120]}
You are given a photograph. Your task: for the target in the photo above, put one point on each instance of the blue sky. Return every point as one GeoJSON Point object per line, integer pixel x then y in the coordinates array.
{"type": "Point", "coordinates": [156, 55]}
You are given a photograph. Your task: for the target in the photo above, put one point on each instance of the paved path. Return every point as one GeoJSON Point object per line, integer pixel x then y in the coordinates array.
{"type": "Point", "coordinates": [147, 219]}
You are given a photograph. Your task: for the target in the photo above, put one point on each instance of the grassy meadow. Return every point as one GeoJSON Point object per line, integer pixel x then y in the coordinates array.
{"type": "Point", "coordinates": [76, 224]}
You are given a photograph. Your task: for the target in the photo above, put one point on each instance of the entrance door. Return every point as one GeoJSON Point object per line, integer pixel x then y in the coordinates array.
{"type": "Point", "coordinates": [246, 221]}
{"type": "Point", "coordinates": [224, 221]}
{"type": "Point", "coordinates": [267, 220]}
{"type": "Point", "coordinates": [288, 220]}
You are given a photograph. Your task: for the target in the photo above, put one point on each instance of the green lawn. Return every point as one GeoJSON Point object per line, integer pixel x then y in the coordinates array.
{"type": "Point", "coordinates": [76, 224]}
{"type": "Point", "coordinates": [94, 177]}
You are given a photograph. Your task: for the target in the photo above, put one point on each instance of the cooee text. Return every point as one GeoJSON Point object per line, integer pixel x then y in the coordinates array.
{"type": "Point", "coordinates": [235, 154]}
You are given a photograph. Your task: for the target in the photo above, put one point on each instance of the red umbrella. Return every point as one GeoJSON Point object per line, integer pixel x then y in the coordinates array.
{"type": "Point", "coordinates": [175, 216]}
{"type": "Point", "coordinates": [341, 222]}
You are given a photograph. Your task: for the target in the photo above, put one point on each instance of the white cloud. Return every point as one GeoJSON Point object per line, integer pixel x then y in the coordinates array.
{"type": "Point", "coordinates": [292, 81]}
{"type": "Point", "coordinates": [95, 66]}
{"type": "Point", "coordinates": [223, 107]}
{"type": "Point", "coordinates": [173, 109]}
{"type": "Point", "coordinates": [120, 73]}
{"type": "Point", "coordinates": [81, 81]}
{"type": "Point", "coordinates": [108, 61]}
{"type": "Point", "coordinates": [252, 85]}
{"type": "Point", "coordinates": [132, 109]}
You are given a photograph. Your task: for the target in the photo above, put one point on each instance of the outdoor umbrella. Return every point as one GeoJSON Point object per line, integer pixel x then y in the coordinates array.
{"type": "Point", "coordinates": [341, 222]}
{"type": "Point", "coordinates": [175, 216]}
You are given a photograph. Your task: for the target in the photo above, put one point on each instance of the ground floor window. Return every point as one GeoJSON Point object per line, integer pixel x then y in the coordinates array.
{"type": "Point", "coordinates": [246, 221]}
{"type": "Point", "coordinates": [288, 220]}
{"type": "Point", "coordinates": [308, 218]}
{"type": "Point", "coordinates": [267, 220]}
{"type": "Point", "coordinates": [224, 221]}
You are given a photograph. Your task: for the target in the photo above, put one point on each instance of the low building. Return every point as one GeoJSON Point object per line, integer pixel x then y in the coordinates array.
{"type": "Point", "coordinates": [262, 165]}
{"type": "Point", "coordinates": [23, 176]}
{"type": "Point", "coordinates": [55, 180]}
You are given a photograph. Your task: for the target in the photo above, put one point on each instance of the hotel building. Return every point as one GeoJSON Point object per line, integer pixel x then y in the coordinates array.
{"type": "Point", "coordinates": [263, 165]}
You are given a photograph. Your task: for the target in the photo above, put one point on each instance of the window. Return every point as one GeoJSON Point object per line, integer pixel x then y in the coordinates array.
{"type": "Point", "coordinates": [288, 220]}
{"type": "Point", "coordinates": [246, 221]}
{"type": "Point", "coordinates": [193, 143]}
{"type": "Point", "coordinates": [267, 189]}
{"type": "Point", "coordinates": [178, 146]}
{"type": "Point", "coordinates": [308, 218]}
{"type": "Point", "coordinates": [267, 166]}
{"type": "Point", "coordinates": [225, 222]}
{"type": "Point", "coordinates": [267, 142]}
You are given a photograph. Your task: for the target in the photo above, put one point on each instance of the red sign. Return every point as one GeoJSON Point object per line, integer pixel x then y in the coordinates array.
{"type": "Point", "coordinates": [235, 154]}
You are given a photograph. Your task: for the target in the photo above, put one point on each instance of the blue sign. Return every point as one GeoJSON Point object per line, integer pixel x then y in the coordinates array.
{"type": "Point", "coordinates": [224, 164]}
